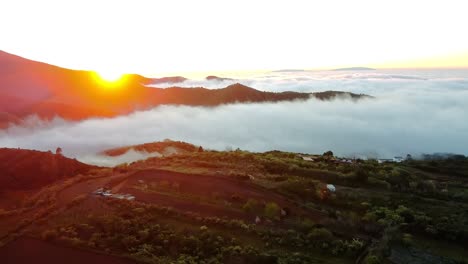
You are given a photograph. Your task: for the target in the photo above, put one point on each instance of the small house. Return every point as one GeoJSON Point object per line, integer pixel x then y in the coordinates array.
{"type": "Point", "coordinates": [384, 160]}
{"type": "Point", "coordinates": [331, 188]}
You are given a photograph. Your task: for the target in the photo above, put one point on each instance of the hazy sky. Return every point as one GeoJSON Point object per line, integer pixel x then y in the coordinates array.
{"type": "Point", "coordinates": [153, 37]}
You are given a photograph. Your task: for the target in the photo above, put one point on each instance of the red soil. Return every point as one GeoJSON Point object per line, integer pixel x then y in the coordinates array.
{"type": "Point", "coordinates": [207, 187]}
{"type": "Point", "coordinates": [27, 250]}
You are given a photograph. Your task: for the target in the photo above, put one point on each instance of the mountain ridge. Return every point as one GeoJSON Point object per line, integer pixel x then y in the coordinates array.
{"type": "Point", "coordinates": [35, 88]}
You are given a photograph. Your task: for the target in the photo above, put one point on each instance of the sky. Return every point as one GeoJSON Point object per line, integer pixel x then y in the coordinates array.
{"type": "Point", "coordinates": [156, 37]}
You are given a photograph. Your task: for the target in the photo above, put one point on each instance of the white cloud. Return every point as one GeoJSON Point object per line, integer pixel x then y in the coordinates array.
{"type": "Point", "coordinates": [110, 161]}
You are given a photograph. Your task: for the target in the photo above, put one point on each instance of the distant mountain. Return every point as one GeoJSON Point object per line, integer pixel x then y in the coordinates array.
{"type": "Point", "coordinates": [34, 88]}
{"type": "Point", "coordinates": [216, 78]}
{"type": "Point", "coordinates": [173, 79]}
{"type": "Point", "coordinates": [329, 95]}
{"type": "Point", "coordinates": [24, 169]}
{"type": "Point", "coordinates": [355, 69]}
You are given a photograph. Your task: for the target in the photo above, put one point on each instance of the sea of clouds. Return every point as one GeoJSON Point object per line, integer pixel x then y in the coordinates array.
{"type": "Point", "coordinates": [413, 111]}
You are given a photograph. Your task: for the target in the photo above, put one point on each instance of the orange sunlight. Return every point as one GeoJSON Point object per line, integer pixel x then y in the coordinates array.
{"type": "Point", "coordinates": [110, 76]}
{"type": "Point", "coordinates": [108, 79]}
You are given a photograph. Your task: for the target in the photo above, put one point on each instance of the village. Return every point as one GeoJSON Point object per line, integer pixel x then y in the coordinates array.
{"type": "Point", "coordinates": [329, 157]}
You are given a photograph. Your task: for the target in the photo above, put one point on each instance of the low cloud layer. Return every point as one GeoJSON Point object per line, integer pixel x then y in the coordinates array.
{"type": "Point", "coordinates": [110, 161]}
{"type": "Point", "coordinates": [409, 115]}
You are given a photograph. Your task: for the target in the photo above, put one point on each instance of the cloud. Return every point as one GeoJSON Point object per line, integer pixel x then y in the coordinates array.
{"type": "Point", "coordinates": [408, 116]}
{"type": "Point", "coordinates": [110, 161]}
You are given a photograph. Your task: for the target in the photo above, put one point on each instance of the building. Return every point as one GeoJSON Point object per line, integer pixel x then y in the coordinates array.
{"type": "Point", "coordinates": [331, 187]}
{"type": "Point", "coordinates": [384, 160]}
{"type": "Point", "coordinates": [398, 159]}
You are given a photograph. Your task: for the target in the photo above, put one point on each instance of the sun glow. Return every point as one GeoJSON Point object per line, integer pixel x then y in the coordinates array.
{"type": "Point", "coordinates": [109, 80]}
{"type": "Point", "coordinates": [110, 76]}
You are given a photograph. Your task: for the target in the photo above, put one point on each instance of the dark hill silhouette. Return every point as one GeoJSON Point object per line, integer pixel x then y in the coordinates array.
{"type": "Point", "coordinates": [34, 88]}
{"type": "Point", "coordinates": [231, 94]}
{"type": "Point", "coordinates": [173, 79]}
{"type": "Point", "coordinates": [329, 95]}
{"type": "Point", "coordinates": [161, 147]}
{"type": "Point", "coordinates": [22, 169]}
{"type": "Point", "coordinates": [216, 78]}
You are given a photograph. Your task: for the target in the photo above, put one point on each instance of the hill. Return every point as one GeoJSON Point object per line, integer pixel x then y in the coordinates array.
{"type": "Point", "coordinates": [27, 169]}
{"type": "Point", "coordinates": [28, 87]}
{"type": "Point", "coordinates": [162, 147]}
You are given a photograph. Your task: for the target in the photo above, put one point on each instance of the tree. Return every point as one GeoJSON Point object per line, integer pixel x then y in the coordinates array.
{"type": "Point", "coordinates": [200, 149]}
{"type": "Point", "coordinates": [58, 151]}
{"type": "Point", "coordinates": [328, 154]}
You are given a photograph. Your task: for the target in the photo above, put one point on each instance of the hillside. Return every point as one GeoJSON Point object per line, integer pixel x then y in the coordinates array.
{"type": "Point", "coordinates": [27, 169]}
{"type": "Point", "coordinates": [244, 207]}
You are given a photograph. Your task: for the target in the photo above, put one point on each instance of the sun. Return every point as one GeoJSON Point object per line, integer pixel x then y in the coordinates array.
{"type": "Point", "coordinates": [109, 76]}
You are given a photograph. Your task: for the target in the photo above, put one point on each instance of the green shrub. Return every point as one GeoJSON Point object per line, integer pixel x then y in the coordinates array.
{"type": "Point", "coordinates": [371, 259]}
{"type": "Point", "coordinates": [320, 234]}
{"type": "Point", "coordinates": [250, 206]}
{"type": "Point", "coordinates": [272, 210]}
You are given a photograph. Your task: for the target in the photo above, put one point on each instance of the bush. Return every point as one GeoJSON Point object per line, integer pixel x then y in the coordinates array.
{"type": "Point", "coordinates": [320, 234]}
{"type": "Point", "coordinates": [250, 206]}
{"type": "Point", "coordinates": [407, 240]}
{"type": "Point", "coordinates": [272, 210]}
{"type": "Point", "coordinates": [361, 174]}
{"type": "Point", "coordinates": [371, 259]}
